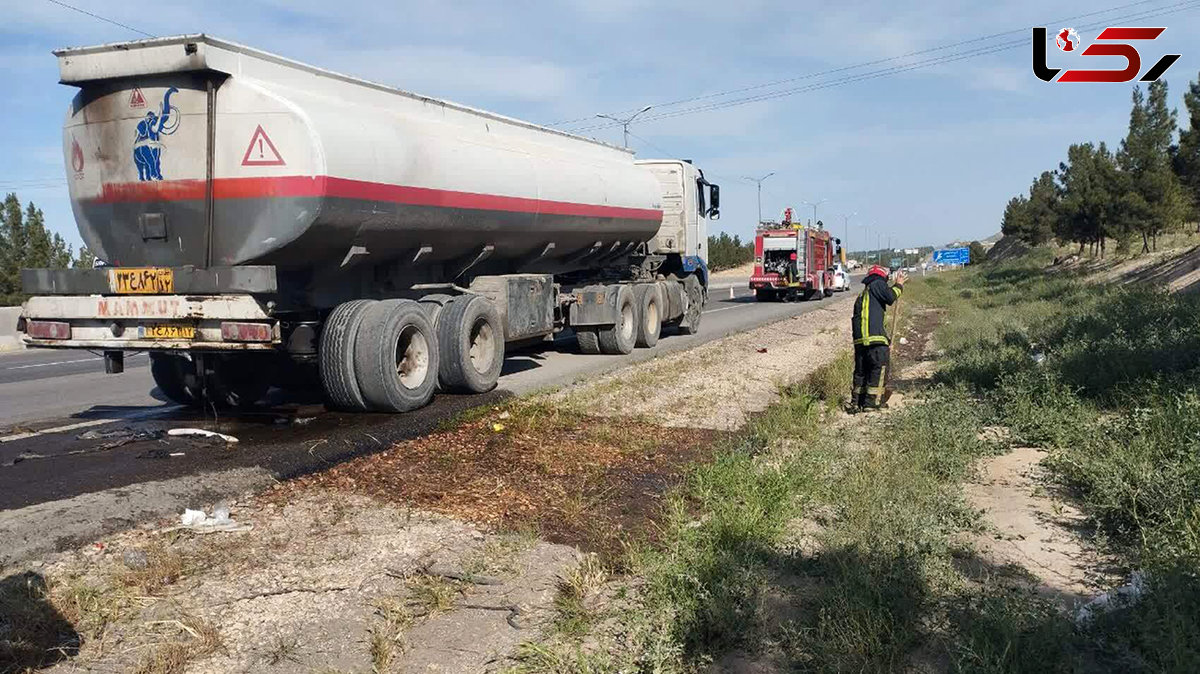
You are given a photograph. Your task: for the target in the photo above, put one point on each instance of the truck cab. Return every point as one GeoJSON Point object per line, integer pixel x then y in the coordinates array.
{"type": "Point", "coordinates": [689, 202]}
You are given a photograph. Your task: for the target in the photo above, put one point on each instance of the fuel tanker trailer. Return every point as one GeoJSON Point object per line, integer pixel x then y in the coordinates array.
{"type": "Point", "coordinates": [260, 219]}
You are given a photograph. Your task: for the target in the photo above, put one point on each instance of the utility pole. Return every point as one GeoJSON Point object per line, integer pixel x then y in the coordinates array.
{"type": "Point", "coordinates": [846, 230]}
{"type": "Point", "coordinates": [759, 182]}
{"type": "Point", "coordinates": [626, 121]}
{"type": "Point", "coordinates": [814, 205]}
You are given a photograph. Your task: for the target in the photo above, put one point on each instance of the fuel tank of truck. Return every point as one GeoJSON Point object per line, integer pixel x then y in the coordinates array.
{"type": "Point", "coordinates": [191, 150]}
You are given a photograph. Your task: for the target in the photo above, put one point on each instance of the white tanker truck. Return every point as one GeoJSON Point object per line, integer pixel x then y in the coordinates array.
{"type": "Point", "coordinates": [261, 220]}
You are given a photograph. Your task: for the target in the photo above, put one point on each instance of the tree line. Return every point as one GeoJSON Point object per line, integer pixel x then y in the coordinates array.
{"type": "Point", "coordinates": [726, 252]}
{"type": "Point", "coordinates": [1149, 186]}
{"type": "Point", "coordinates": [25, 243]}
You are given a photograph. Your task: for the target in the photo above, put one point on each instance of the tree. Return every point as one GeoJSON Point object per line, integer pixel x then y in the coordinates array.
{"type": "Point", "coordinates": [13, 224]}
{"type": "Point", "coordinates": [1093, 202]}
{"type": "Point", "coordinates": [1155, 201]}
{"type": "Point", "coordinates": [1187, 153]}
{"type": "Point", "coordinates": [39, 247]}
{"type": "Point", "coordinates": [725, 252]}
{"type": "Point", "coordinates": [85, 260]}
{"type": "Point", "coordinates": [977, 252]}
{"type": "Point", "coordinates": [1042, 210]}
{"type": "Point", "coordinates": [1016, 218]}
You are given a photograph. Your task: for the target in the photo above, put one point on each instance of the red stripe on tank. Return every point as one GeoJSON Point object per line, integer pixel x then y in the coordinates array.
{"type": "Point", "coordinates": [321, 186]}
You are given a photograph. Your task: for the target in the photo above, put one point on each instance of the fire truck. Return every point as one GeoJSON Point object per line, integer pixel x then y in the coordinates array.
{"type": "Point", "coordinates": [793, 261]}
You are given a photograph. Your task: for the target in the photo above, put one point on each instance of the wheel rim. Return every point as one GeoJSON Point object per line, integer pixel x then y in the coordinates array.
{"type": "Point", "coordinates": [412, 357]}
{"type": "Point", "coordinates": [483, 346]}
{"type": "Point", "coordinates": [651, 317]}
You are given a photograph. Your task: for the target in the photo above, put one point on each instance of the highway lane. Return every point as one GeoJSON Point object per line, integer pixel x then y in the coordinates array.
{"type": "Point", "coordinates": [48, 399]}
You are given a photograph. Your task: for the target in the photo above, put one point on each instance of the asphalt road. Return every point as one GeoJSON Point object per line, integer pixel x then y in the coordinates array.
{"type": "Point", "coordinates": [67, 429]}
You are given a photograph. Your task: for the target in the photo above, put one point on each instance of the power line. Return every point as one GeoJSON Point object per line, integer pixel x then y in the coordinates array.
{"type": "Point", "coordinates": [949, 58]}
{"type": "Point", "coordinates": [97, 16]}
{"type": "Point", "coordinates": [871, 63]}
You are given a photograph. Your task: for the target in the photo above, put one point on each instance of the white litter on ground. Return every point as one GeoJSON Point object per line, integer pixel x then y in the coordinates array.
{"type": "Point", "coordinates": [200, 432]}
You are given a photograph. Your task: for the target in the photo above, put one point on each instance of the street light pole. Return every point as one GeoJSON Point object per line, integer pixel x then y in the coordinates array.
{"type": "Point", "coordinates": [814, 206]}
{"type": "Point", "coordinates": [759, 182]}
{"type": "Point", "coordinates": [846, 227]}
{"type": "Point", "coordinates": [626, 121]}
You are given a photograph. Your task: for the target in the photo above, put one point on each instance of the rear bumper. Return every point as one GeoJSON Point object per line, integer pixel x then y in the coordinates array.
{"type": "Point", "coordinates": [248, 279]}
{"type": "Point", "coordinates": [120, 323]}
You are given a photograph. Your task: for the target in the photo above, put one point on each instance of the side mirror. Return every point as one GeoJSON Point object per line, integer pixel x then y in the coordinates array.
{"type": "Point", "coordinates": [714, 198]}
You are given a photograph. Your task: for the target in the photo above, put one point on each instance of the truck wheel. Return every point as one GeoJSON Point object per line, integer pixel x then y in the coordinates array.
{"type": "Point", "coordinates": [690, 324]}
{"type": "Point", "coordinates": [396, 356]}
{"type": "Point", "coordinates": [176, 378]}
{"type": "Point", "coordinates": [337, 356]}
{"type": "Point", "coordinates": [649, 314]}
{"type": "Point", "coordinates": [622, 335]}
{"type": "Point", "coordinates": [433, 306]}
{"type": "Point", "coordinates": [589, 341]}
{"type": "Point", "coordinates": [239, 380]}
{"type": "Point", "coordinates": [470, 344]}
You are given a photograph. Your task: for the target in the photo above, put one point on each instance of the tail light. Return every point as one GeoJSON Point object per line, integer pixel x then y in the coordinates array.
{"type": "Point", "coordinates": [48, 329]}
{"type": "Point", "coordinates": [246, 332]}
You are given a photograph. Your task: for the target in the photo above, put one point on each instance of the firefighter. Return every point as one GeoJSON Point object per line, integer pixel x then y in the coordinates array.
{"type": "Point", "coordinates": [871, 342]}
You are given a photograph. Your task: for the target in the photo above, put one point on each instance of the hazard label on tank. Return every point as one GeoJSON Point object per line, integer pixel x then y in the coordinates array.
{"type": "Point", "coordinates": [137, 99]}
{"type": "Point", "coordinates": [261, 151]}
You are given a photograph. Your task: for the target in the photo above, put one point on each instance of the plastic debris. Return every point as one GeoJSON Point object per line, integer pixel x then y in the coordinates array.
{"type": "Point", "coordinates": [191, 518]}
{"type": "Point", "coordinates": [904, 340]}
{"type": "Point", "coordinates": [200, 433]}
{"type": "Point", "coordinates": [1126, 595]}
{"type": "Point", "coordinates": [497, 427]}
{"type": "Point", "coordinates": [177, 454]}
{"type": "Point", "coordinates": [199, 521]}
{"type": "Point", "coordinates": [505, 414]}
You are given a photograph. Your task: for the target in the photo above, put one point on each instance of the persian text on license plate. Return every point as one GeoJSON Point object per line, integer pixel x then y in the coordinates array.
{"type": "Point", "coordinates": [141, 281]}
{"type": "Point", "coordinates": [167, 332]}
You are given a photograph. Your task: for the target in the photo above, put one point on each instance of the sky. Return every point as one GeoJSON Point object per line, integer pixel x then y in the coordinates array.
{"type": "Point", "coordinates": [921, 156]}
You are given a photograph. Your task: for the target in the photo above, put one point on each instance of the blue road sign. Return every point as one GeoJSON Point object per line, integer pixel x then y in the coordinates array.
{"type": "Point", "coordinates": [952, 256]}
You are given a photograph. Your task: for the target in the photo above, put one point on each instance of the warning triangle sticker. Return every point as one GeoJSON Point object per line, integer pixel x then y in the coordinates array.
{"type": "Point", "coordinates": [136, 99]}
{"type": "Point", "coordinates": [261, 151]}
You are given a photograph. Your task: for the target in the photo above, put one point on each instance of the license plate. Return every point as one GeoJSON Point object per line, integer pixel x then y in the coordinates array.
{"type": "Point", "coordinates": [167, 332]}
{"type": "Point", "coordinates": [141, 281]}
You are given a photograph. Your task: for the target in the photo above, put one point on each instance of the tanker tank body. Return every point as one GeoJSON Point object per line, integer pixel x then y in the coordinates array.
{"type": "Point", "coordinates": [252, 207]}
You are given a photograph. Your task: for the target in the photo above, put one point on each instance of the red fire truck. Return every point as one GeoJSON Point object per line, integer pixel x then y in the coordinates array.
{"type": "Point", "coordinates": [792, 261]}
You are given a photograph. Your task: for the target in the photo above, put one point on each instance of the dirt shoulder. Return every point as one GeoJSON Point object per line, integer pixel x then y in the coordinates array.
{"type": "Point", "coordinates": [721, 384]}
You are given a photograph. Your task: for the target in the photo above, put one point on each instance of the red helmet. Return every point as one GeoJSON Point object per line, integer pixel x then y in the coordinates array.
{"type": "Point", "coordinates": [878, 270]}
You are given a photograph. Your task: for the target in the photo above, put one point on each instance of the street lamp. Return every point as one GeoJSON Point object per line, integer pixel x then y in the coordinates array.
{"type": "Point", "coordinates": [759, 182]}
{"type": "Point", "coordinates": [846, 227]}
{"type": "Point", "coordinates": [626, 122]}
{"type": "Point", "coordinates": [814, 206]}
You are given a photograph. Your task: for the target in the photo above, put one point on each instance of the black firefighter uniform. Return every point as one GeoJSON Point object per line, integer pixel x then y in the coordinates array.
{"type": "Point", "coordinates": [871, 343]}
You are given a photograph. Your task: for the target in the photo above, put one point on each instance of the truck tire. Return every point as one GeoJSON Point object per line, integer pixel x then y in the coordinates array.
{"type": "Point", "coordinates": [396, 356]}
{"type": "Point", "coordinates": [589, 341]}
{"type": "Point", "coordinates": [649, 314]}
{"type": "Point", "coordinates": [434, 304]}
{"type": "Point", "coordinates": [336, 359]}
{"type": "Point", "coordinates": [470, 343]}
{"type": "Point", "coordinates": [176, 378]}
{"type": "Point", "coordinates": [620, 337]}
{"type": "Point", "coordinates": [690, 323]}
